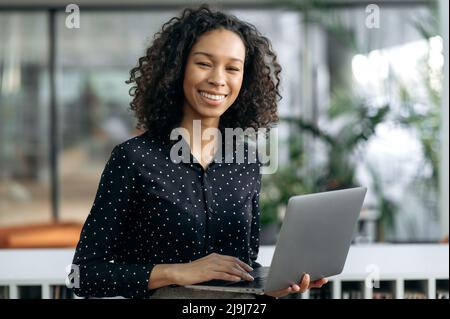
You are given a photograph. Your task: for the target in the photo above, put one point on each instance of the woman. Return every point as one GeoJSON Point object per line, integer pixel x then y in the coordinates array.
{"type": "Point", "coordinates": [158, 223]}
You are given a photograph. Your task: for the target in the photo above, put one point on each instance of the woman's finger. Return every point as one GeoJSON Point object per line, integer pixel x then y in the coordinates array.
{"type": "Point", "coordinates": [304, 284]}
{"type": "Point", "coordinates": [237, 261]}
{"type": "Point", "coordinates": [244, 274]}
{"type": "Point", "coordinates": [318, 283]}
{"type": "Point", "coordinates": [235, 270]}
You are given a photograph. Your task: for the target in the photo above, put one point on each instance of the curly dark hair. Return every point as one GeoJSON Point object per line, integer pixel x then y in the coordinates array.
{"type": "Point", "coordinates": [158, 78]}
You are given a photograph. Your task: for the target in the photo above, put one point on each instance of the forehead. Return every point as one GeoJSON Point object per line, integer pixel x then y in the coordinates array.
{"type": "Point", "coordinates": [220, 44]}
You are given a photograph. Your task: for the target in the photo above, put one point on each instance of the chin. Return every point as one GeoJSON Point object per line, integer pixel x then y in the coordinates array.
{"type": "Point", "coordinates": [207, 112]}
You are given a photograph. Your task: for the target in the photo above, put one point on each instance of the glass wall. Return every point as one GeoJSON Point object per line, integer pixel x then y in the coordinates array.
{"type": "Point", "coordinates": [24, 119]}
{"type": "Point", "coordinates": [92, 66]}
{"type": "Point", "coordinates": [360, 106]}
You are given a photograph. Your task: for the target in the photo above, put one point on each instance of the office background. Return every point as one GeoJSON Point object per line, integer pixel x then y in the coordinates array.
{"type": "Point", "coordinates": [362, 104]}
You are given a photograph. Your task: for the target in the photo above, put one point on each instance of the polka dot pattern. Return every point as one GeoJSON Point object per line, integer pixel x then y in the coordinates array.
{"type": "Point", "coordinates": [152, 209]}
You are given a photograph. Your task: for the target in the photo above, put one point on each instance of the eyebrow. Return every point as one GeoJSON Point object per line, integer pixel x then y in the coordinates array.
{"type": "Point", "coordinates": [211, 56]}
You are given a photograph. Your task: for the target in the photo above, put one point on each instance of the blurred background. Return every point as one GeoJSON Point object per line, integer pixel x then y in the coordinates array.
{"type": "Point", "coordinates": [365, 102]}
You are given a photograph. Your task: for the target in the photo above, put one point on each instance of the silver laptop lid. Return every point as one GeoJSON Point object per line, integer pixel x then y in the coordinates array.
{"type": "Point", "coordinates": [315, 236]}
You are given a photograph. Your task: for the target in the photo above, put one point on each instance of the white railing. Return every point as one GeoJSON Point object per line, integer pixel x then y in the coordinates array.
{"type": "Point", "coordinates": [396, 267]}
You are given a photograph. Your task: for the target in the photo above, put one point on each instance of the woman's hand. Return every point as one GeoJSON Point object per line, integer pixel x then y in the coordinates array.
{"type": "Point", "coordinates": [213, 266]}
{"type": "Point", "coordinates": [304, 285]}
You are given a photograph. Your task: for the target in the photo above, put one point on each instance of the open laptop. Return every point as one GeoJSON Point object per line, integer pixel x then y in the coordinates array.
{"type": "Point", "coordinates": [315, 239]}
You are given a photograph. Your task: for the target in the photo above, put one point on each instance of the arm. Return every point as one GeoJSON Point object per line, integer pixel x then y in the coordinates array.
{"type": "Point", "coordinates": [161, 275]}
{"type": "Point", "coordinates": [100, 274]}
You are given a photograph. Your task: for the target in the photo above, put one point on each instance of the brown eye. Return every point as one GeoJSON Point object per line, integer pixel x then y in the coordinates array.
{"type": "Point", "coordinates": [203, 64]}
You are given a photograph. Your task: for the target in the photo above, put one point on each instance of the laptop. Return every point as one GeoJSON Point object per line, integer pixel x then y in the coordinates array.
{"type": "Point", "coordinates": [315, 238]}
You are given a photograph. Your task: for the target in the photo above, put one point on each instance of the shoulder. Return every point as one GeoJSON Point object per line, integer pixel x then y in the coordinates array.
{"type": "Point", "coordinates": [137, 146]}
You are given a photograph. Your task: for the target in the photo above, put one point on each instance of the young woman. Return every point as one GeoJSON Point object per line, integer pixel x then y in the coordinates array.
{"type": "Point", "coordinates": [158, 223]}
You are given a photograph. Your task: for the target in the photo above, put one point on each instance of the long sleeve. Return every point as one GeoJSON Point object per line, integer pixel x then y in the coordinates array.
{"type": "Point", "coordinates": [101, 275]}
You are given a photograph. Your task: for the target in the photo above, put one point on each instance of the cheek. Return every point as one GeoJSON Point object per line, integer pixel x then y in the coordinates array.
{"type": "Point", "coordinates": [236, 86]}
{"type": "Point", "coordinates": [191, 79]}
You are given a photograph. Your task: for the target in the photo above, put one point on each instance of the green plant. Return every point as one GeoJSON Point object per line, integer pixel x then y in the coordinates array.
{"type": "Point", "coordinates": [427, 123]}
{"type": "Point", "coordinates": [295, 178]}
{"type": "Point", "coordinates": [277, 189]}
{"type": "Point", "coordinates": [287, 181]}
{"type": "Point", "coordinates": [386, 207]}
{"type": "Point", "coordinates": [358, 121]}
{"type": "Point", "coordinates": [422, 114]}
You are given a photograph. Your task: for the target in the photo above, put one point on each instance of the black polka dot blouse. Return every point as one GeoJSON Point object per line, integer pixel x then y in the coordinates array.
{"type": "Point", "coordinates": [151, 208]}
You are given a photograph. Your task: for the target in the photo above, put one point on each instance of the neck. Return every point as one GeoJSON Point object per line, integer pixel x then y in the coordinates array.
{"type": "Point", "coordinates": [197, 143]}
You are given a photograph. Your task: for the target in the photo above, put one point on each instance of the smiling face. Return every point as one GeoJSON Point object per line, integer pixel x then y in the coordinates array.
{"type": "Point", "coordinates": [214, 74]}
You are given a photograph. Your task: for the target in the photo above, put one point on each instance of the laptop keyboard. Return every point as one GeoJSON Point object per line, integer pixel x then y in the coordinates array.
{"type": "Point", "coordinates": [260, 272]}
{"type": "Point", "coordinates": [259, 275]}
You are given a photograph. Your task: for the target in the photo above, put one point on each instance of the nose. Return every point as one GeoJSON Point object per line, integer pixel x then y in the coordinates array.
{"type": "Point", "coordinates": [216, 78]}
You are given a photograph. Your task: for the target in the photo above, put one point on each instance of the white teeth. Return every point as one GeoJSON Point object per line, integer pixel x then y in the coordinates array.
{"type": "Point", "coordinates": [212, 97]}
